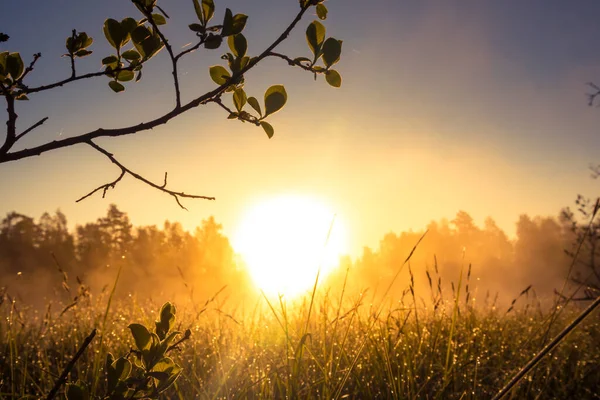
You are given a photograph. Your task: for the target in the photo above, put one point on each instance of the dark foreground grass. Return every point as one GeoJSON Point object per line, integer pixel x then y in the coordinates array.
{"type": "Point", "coordinates": [347, 348]}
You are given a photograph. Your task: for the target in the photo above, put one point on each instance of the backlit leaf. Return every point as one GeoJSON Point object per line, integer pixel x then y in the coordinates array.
{"type": "Point", "coordinates": [275, 99]}
{"type": "Point", "coordinates": [332, 50]}
{"type": "Point", "coordinates": [219, 74]}
{"type": "Point", "coordinates": [315, 36]}
{"type": "Point", "coordinates": [255, 105]}
{"type": "Point", "coordinates": [333, 78]}
{"type": "Point", "coordinates": [268, 128]}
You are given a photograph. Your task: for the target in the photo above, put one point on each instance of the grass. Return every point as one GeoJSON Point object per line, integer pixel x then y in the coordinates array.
{"type": "Point", "coordinates": [331, 345]}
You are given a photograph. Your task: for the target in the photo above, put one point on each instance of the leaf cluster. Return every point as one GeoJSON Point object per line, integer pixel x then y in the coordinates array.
{"type": "Point", "coordinates": [147, 371]}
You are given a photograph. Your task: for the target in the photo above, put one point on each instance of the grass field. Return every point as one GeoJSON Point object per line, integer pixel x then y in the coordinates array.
{"type": "Point", "coordinates": [326, 346]}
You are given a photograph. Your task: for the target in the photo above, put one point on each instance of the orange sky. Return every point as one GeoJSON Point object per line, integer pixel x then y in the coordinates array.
{"type": "Point", "coordinates": [443, 108]}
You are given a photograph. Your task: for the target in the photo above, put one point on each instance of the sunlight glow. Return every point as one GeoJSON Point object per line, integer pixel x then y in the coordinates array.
{"type": "Point", "coordinates": [283, 242]}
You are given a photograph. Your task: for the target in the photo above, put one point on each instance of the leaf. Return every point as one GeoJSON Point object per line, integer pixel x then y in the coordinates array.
{"type": "Point", "coordinates": [77, 391]}
{"type": "Point", "coordinates": [140, 333]}
{"type": "Point", "coordinates": [166, 371]}
{"type": "Point", "coordinates": [238, 44]}
{"type": "Point", "coordinates": [118, 371]}
{"type": "Point", "coordinates": [14, 65]}
{"type": "Point", "coordinates": [332, 50]}
{"type": "Point", "coordinates": [128, 25]}
{"type": "Point", "coordinates": [110, 60]}
{"type": "Point", "coordinates": [196, 27]}
{"type": "Point", "coordinates": [83, 53]}
{"type": "Point", "coordinates": [198, 12]}
{"type": "Point", "coordinates": [146, 42]}
{"type": "Point", "coordinates": [22, 96]}
{"type": "Point", "coordinates": [131, 55]}
{"type": "Point", "coordinates": [232, 25]}
{"type": "Point", "coordinates": [114, 33]}
{"type": "Point", "coordinates": [275, 99]}
{"type": "Point", "coordinates": [213, 42]}
{"type": "Point", "coordinates": [239, 23]}
{"type": "Point", "coordinates": [255, 105]}
{"type": "Point", "coordinates": [159, 19]}
{"type": "Point", "coordinates": [315, 35]}
{"type": "Point", "coordinates": [125, 76]}
{"type": "Point", "coordinates": [321, 11]}
{"type": "Point", "coordinates": [239, 98]}
{"type": "Point", "coordinates": [208, 8]}
{"type": "Point", "coordinates": [268, 128]}
{"type": "Point", "coordinates": [333, 78]}
{"type": "Point", "coordinates": [219, 74]}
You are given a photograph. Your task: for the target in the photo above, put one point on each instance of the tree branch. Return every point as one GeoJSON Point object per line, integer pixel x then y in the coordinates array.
{"type": "Point", "coordinates": [26, 131]}
{"type": "Point", "coordinates": [28, 90]}
{"type": "Point", "coordinates": [290, 61]}
{"type": "Point", "coordinates": [11, 123]}
{"type": "Point", "coordinates": [148, 15]}
{"type": "Point", "coordinates": [125, 170]}
{"type": "Point", "coordinates": [87, 137]}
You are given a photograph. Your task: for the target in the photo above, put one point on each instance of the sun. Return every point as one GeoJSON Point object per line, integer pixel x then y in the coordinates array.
{"type": "Point", "coordinates": [286, 241]}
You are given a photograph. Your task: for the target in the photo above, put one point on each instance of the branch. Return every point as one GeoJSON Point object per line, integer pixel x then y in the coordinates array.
{"type": "Point", "coordinates": [148, 15]}
{"type": "Point", "coordinates": [125, 170]}
{"type": "Point", "coordinates": [11, 123]}
{"type": "Point", "coordinates": [36, 57]}
{"type": "Point", "coordinates": [87, 137]}
{"type": "Point", "coordinates": [63, 377]}
{"type": "Point", "coordinates": [290, 61]}
{"type": "Point", "coordinates": [592, 96]}
{"type": "Point", "coordinates": [27, 90]}
{"type": "Point", "coordinates": [26, 131]}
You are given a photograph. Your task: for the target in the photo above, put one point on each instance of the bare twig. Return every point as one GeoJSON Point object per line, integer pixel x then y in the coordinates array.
{"type": "Point", "coordinates": [71, 55]}
{"type": "Point", "coordinates": [36, 57]}
{"type": "Point", "coordinates": [125, 170]}
{"type": "Point", "coordinates": [26, 131]}
{"type": "Point", "coordinates": [63, 376]}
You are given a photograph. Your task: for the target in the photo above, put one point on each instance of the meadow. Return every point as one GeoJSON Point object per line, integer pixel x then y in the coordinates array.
{"type": "Point", "coordinates": [330, 344]}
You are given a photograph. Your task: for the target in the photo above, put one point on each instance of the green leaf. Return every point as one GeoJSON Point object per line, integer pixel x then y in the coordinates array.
{"type": "Point", "coordinates": [198, 12]}
{"type": "Point", "coordinates": [125, 76]}
{"type": "Point", "coordinates": [118, 371]}
{"type": "Point", "coordinates": [275, 99]}
{"type": "Point", "coordinates": [213, 42]}
{"type": "Point", "coordinates": [333, 78]}
{"type": "Point", "coordinates": [110, 60]}
{"type": "Point", "coordinates": [255, 104]}
{"type": "Point", "coordinates": [208, 8]}
{"type": "Point", "coordinates": [83, 53]}
{"type": "Point", "coordinates": [315, 35]}
{"type": "Point", "coordinates": [196, 27]}
{"type": "Point", "coordinates": [159, 19]}
{"type": "Point", "coordinates": [322, 11]}
{"type": "Point", "coordinates": [332, 50]}
{"type": "Point", "coordinates": [232, 25]}
{"type": "Point", "coordinates": [128, 25]}
{"type": "Point", "coordinates": [22, 96]}
{"type": "Point", "coordinates": [239, 23]}
{"type": "Point", "coordinates": [167, 320]}
{"type": "Point", "coordinates": [14, 65]}
{"type": "Point", "coordinates": [114, 33]}
{"type": "Point", "coordinates": [140, 333]}
{"type": "Point", "coordinates": [166, 371]}
{"type": "Point", "coordinates": [77, 391]}
{"type": "Point", "coordinates": [239, 98]}
{"type": "Point", "coordinates": [238, 44]}
{"type": "Point", "coordinates": [219, 74]}
{"type": "Point", "coordinates": [146, 42]}
{"type": "Point", "coordinates": [131, 55]}
{"type": "Point", "coordinates": [86, 41]}
{"type": "Point", "coordinates": [3, 57]}
{"type": "Point", "coordinates": [268, 128]}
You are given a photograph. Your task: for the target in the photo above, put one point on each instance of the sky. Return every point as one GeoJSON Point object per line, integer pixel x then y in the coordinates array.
{"type": "Point", "coordinates": [445, 106]}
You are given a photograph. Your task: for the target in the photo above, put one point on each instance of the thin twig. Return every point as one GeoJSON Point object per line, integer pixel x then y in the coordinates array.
{"type": "Point", "coordinates": [125, 170]}
{"type": "Point", "coordinates": [11, 123]}
{"type": "Point", "coordinates": [63, 377]}
{"type": "Point", "coordinates": [535, 360]}
{"type": "Point", "coordinates": [36, 57]}
{"type": "Point", "coordinates": [292, 62]}
{"type": "Point", "coordinates": [26, 131]}
{"type": "Point", "coordinates": [148, 15]}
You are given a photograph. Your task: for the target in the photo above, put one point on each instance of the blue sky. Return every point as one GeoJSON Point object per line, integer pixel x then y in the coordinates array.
{"type": "Point", "coordinates": [446, 105]}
